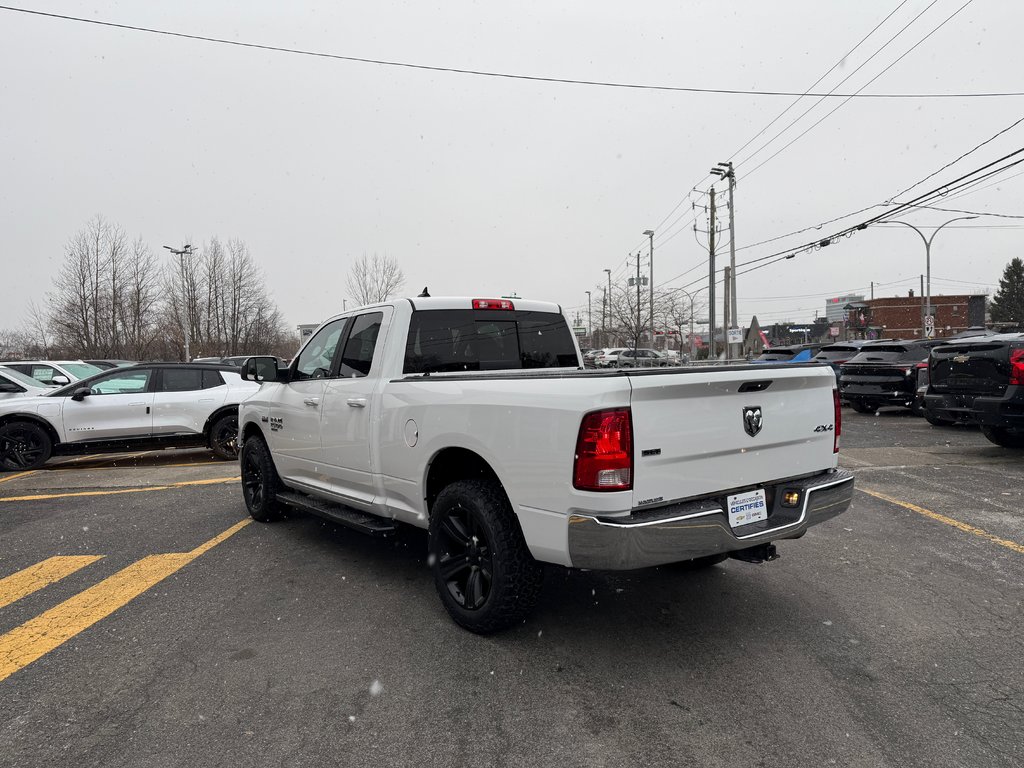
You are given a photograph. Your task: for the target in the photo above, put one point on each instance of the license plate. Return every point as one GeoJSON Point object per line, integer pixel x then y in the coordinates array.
{"type": "Point", "coordinates": [746, 508]}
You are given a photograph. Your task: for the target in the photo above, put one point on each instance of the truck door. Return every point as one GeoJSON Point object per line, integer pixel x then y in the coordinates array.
{"type": "Point", "coordinates": [348, 411]}
{"type": "Point", "coordinates": [294, 428]}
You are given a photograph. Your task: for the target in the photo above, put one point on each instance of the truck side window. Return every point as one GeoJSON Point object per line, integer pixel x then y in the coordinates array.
{"type": "Point", "coordinates": [357, 356]}
{"type": "Point", "coordinates": [315, 359]}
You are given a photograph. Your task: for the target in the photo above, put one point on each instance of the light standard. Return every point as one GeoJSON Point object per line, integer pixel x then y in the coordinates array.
{"type": "Point", "coordinates": [607, 307]}
{"type": "Point", "coordinates": [691, 297]}
{"type": "Point", "coordinates": [650, 235]}
{"type": "Point", "coordinates": [185, 250]}
{"type": "Point", "coordinates": [590, 326]}
{"type": "Point", "coordinates": [928, 266]}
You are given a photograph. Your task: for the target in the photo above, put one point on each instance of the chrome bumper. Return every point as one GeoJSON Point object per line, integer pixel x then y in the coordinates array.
{"type": "Point", "coordinates": [700, 528]}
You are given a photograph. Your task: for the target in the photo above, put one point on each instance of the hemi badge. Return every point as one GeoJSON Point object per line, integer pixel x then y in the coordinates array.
{"type": "Point", "coordinates": [651, 452]}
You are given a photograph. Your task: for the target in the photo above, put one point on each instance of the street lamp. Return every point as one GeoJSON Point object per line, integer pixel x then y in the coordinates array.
{"type": "Point", "coordinates": [590, 326]}
{"type": "Point", "coordinates": [691, 297]}
{"type": "Point", "coordinates": [607, 308]}
{"type": "Point", "coordinates": [928, 265]}
{"type": "Point", "coordinates": [181, 253]}
{"type": "Point", "coordinates": [650, 234]}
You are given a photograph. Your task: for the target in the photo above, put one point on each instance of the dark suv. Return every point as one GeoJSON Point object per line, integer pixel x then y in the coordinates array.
{"type": "Point", "coordinates": [883, 373]}
{"type": "Point", "coordinates": [980, 381]}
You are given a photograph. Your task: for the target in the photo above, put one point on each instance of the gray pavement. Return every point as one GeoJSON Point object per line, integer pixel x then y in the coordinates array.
{"type": "Point", "coordinates": [886, 637]}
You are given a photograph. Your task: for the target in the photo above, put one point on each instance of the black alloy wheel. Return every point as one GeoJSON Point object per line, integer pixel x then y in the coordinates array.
{"type": "Point", "coordinates": [483, 571]}
{"type": "Point", "coordinates": [860, 407]}
{"type": "Point", "coordinates": [260, 481]}
{"type": "Point", "coordinates": [23, 446]}
{"type": "Point", "coordinates": [224, 437]}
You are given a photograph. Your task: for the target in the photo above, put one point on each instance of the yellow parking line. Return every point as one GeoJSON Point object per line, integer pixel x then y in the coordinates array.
{"type": "Point", "coordinates": [15, 477]}
{"type": "Point", "coordinates": [965, 527]}
{"type": "Point", "coordinates": [169, 486]}
{"type": "Point", "coordinates": [40, 635]}
{"type": "Point", "coordinates": [35, 577]}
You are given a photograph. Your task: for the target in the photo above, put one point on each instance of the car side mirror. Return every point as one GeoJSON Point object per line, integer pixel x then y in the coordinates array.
{"type": "Point", "coordinates": [261, 369]}
{"type": "Point", "coordinates": [81, 393]}
{"type": "Point", "coordinates": [61, 379]}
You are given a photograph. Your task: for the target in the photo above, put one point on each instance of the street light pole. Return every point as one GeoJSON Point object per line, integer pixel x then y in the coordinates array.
{"type": "Point", "coordinates": [607, 306]}
{"type": "Point", "coordinates": [928, 265]}
{"type": "Point", "coordinates": [650, 235]}
{"type": "Point", "coordinates": [186, 326]}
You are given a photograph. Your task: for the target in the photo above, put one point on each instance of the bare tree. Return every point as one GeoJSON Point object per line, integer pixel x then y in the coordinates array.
{"type": "Point", "coordinates": [678, 310]}
{"type": "Point", "coordinates": [373, 280]}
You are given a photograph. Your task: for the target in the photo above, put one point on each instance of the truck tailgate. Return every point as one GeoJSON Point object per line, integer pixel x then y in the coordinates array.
{"type": "Point", "coordinates": [690, 437]}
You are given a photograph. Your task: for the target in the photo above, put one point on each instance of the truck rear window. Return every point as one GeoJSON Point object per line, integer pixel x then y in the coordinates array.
{"type": "Point", "coordinates": [446, 340]}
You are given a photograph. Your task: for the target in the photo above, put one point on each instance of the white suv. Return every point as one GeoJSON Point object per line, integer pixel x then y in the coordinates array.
{"type": "Point", "coordinates": [143, 406]}
{"type": "Point", "coordinates": [57, 372]}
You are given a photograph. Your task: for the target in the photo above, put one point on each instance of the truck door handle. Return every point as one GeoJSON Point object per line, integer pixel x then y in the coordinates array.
{"type": "Point", "coordinates": [312, 402]}
{"type": "Point", "coordinates": [357, 402]}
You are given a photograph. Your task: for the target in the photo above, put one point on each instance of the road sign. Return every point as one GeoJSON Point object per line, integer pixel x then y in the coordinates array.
{"type": "Point", "coordinates": [929, 326]}
{"type": "Point", "coordinates": [580, 330]}
{"type": "Point", "coordinates": [735, 335]}
{"type": "Point", "coordinates": [833, 331]}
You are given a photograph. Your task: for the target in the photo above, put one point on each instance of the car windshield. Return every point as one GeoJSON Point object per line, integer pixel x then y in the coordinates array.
{"type": "Point", "coordinates": [836, 352]}
{"type": "Point", "coordinates": [21, 378]}
{"type": "Point", "coordinates": [81, 370]}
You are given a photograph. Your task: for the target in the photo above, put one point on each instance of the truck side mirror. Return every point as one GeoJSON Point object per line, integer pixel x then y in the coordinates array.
{"type": "Point", "coordinates": [81, 393]}
{"type": "Point", "coordinates": [260, 369]}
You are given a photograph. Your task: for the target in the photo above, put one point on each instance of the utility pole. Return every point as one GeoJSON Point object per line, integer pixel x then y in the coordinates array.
{"type": "Point", "coordinates": [872, 290]}
{"type": "Point", "coordinates": [636, 336]}
{"type": "Point", "coordinates": [726, 312]}
{"type": "Point", "coordinates": [711, 278]}
{"type": "Point", "coordinates": [650, 234]}
{"type": "Point", "coordinates": [725, 170]}
{"type": "Point", "coordinates": [607, 303]}
{"type": "Point", "coordinates": [186, 324]}
{"type": "Point", "coordinates": [590, 327]}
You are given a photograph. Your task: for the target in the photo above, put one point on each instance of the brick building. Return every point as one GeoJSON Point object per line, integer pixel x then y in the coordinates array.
{"type": "Point", "coordinates": [903, 316]}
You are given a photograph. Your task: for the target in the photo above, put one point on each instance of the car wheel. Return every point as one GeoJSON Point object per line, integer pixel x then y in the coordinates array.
{"type": "Point", "coordinates": [260, 481]}
{"type": "Point", "coordinates": [24, 445]}
{"type": "Point", "coordinates": [1007, 438]}
{"type": "Point", "coordinates": [483, 570]}
{"type": "Point", "coordinates": [861, 407]}
{"type": "Point", "coordinates": [935, 421]}
{"type": "Point", "coordinates": [224, 437]}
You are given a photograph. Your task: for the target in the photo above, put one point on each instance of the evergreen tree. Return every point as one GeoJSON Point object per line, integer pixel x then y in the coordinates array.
{"type": "Point", "coordinates": [1008, 303]}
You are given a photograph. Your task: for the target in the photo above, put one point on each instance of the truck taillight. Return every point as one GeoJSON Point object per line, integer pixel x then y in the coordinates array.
{"type": "Point", "coordinates": [922, 375]}
{"type": "Point", "coordinates": [604, 452]}
{"type": "Point", "coordinates": [1017, 367]}
{"type": "Point", "coordinates": [493, 304]}
{"type": "Point", "coordinates": [838, 411]}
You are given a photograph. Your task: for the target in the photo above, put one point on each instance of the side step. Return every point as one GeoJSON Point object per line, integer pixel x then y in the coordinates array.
{"type": "Point", "coordinates": [338, 513]}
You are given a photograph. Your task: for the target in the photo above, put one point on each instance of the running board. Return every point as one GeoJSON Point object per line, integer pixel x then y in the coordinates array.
{"type": "Point", "coordinates": [338, 513]}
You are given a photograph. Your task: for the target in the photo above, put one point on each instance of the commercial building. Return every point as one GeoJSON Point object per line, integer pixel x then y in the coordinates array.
{"type": "Point", "coordinates": [834, 307]}
{"type": "Point", "coordinates": [903, 316]}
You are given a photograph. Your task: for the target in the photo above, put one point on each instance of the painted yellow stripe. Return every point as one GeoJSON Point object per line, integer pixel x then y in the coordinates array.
{"type": "Point", "coordinates": [965, 527]}
{"type": "Point", "coordinates": [186, 483]}
{"type": "Point", "coordinates": [40, 635]}
{"type": "Point", "coordinates": [35, 577]}
{"type": "Point", "coordinates": [15, 477]}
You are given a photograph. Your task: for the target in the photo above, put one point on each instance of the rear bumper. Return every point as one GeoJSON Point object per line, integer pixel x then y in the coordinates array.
{"type": "Point", "coordinates": [700, 528]}
{"type": "Point", "coordinates": [1006, 411]}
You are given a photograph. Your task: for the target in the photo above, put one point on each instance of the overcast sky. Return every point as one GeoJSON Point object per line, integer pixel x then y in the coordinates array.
{"type": "Point", "coordinates": [484, 186]}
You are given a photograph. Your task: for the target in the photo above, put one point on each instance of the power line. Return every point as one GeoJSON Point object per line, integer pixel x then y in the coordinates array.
{"type": "Point", "coordinates": [974, 213]}
{"type": "Point", "coordinates": [504, 75]}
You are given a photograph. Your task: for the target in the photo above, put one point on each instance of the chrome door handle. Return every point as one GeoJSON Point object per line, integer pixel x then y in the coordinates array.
{"type": "Point", "coordinates": [357, 402]}
{"type": "Point", "coordinates": [312, 402]}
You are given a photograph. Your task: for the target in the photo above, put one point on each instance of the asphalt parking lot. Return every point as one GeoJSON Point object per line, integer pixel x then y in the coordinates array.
{"type": "Point", "coordinates": [144, 621]}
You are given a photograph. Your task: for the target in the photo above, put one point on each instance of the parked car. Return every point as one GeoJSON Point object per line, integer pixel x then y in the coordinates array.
{"type": "Point", "coordinates": [144, 406]}
{"type": "Point", "coordinates": [642, 358]}
{"type": "Point", "coordinates": [106, 365]}
{"type": "Point", "coordinates": [16, 384]}
{"type": "Point", "coordinates": [57, 372]}
{"type": "Point", "coordinates": [837, 354]}
{"type": "Point", "coordinates": [884, 373]}
{"type": "Point", "coordinates": [795, 353]}
{"type": "Point", "coordinates": [609, 358]}
{"type": "Point", "coordinates": [980, 381]}
{"type": "Point", "coordinates": [428, 412]}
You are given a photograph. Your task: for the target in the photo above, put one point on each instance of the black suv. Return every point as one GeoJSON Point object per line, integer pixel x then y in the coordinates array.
{"type": "Point", "coordinates": [980, 381]}
{"type": "Point", "coordinates": [884, 373]}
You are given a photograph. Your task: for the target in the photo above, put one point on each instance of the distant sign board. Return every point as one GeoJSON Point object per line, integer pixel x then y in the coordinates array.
{"type": "Point", "coordinates": [580, 330]}
{"type": "Point", "coordinates": [833, 331]}
{"type": "Point", "coordinates": [735, 335]}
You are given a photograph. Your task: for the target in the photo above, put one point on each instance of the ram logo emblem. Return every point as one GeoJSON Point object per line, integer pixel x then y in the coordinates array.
{"type": "Point", "coordinates": [752, 419]}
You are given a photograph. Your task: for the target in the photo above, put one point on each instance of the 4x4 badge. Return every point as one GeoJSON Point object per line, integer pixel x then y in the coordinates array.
{"type": "Point", "coordinates": [752, 419]}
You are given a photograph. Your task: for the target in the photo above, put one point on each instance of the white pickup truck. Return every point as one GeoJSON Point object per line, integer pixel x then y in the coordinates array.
{"type": "Point", "coordinates": [475, 419]}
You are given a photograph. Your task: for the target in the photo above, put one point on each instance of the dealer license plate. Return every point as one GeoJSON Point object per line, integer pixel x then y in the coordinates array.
{"type": "Point", "coordinates": [746, 508]}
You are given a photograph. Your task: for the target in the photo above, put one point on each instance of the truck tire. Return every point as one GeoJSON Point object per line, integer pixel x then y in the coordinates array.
{"type": "Point", "coordinates": [223, 437]}
{"type": "Point", "coordinates": [1007, 438]}
{"type": "Point", "coordinates": [24, 445]}
{"type": "Point", "coordinates": [260, 481]}
{"type": "Point", "coordinates": [860, 407]}
{"type": "Point", "coordinates": [483, 570]}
